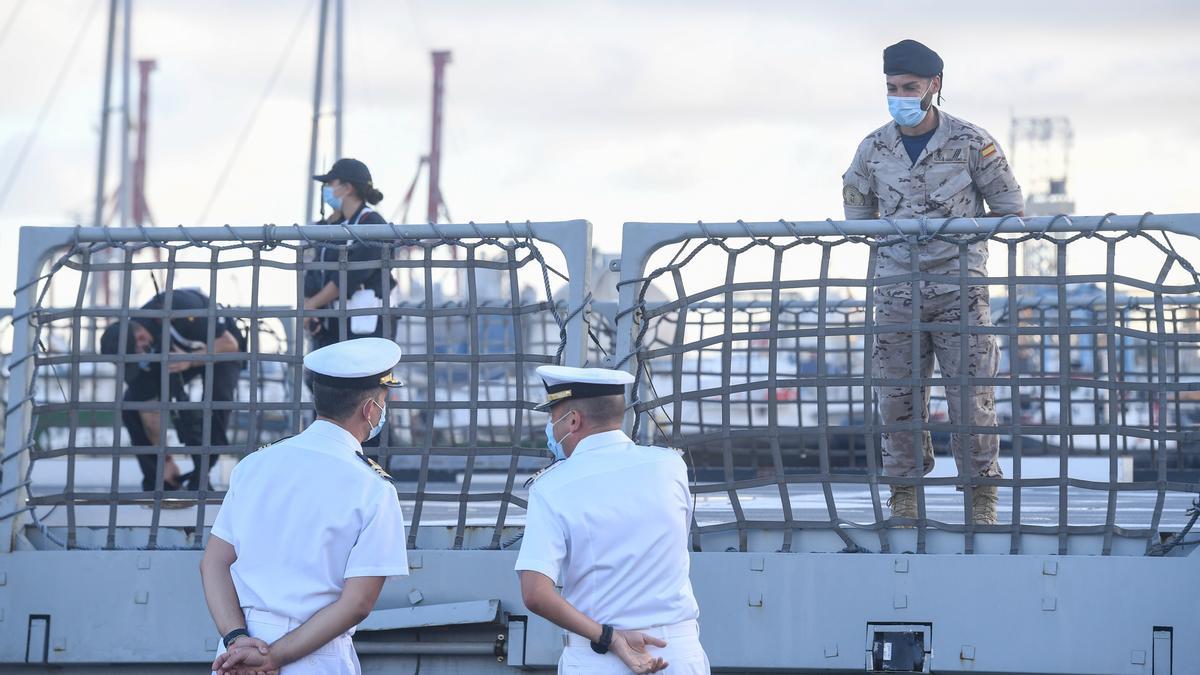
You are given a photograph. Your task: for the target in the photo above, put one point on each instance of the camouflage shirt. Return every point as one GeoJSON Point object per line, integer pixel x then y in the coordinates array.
{"type": "Point", "coordinates": [960, 169]}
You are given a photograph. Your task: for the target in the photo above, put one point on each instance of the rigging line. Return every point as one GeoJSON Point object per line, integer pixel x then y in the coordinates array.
{"type": "Point", "coordinates": [407, 201]}
{"type": "Point", "coordinates": [244, 136]}
{"type": "Point", "coordinates": [12, 18]}
{"type": "Point", "coordinates": [47, 104]}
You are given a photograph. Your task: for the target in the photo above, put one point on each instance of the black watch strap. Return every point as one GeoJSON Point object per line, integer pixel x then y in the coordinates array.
{"type": "Point", "coordinates": [233, 635]}
{"type": "Point", "coordinates": [605, 642]}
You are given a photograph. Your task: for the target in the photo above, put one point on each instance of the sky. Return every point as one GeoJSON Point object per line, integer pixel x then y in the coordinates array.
{"type": "Point", "coordinates": [611, 111]}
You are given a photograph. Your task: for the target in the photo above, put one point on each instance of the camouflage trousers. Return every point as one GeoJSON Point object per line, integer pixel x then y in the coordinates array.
{"type": "Point", "coordinates": [893, 358]}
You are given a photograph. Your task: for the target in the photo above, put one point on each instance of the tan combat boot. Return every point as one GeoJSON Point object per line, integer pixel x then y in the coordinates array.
{"type": "Point", "coordinates": [983, 505]}
{"type": "Point", "coordinates": [903, 502]}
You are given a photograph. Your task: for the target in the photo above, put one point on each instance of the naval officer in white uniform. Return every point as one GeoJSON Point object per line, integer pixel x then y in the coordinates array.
{"type": "Point", "coordinates": [310, 528]}
{"type": "Point", "coordinates": [609, 521]}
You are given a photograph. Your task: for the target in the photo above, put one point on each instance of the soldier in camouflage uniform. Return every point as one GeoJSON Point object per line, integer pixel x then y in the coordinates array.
{"type": "Point", "coordinates": [929, 164]}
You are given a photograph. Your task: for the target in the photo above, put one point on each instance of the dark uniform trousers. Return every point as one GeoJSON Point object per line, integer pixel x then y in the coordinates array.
{"type": "Point", "coordinates": [189, 424]}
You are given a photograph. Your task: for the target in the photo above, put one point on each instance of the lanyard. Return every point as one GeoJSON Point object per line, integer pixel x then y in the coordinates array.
{"type": "Point", "coordinates": [362, 212]}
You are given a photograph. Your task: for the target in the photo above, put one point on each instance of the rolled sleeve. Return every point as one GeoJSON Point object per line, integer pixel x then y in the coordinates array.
{"type": "Point", "coordinates": [544, 545]}
{"type": "Point", "coordinates": [380, 550]}
{"type": "Point", "coordinates": [858, 197]}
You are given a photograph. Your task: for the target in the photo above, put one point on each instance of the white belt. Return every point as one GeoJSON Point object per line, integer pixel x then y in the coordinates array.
{"type": "Point", "coordinates": [273, 619]}
{"type": "Point", "coordinates": [287, 624]}
{"type": "Point", "coordinates": [270, 618]}
{"type": "Point", "coordinates": [683, 629]}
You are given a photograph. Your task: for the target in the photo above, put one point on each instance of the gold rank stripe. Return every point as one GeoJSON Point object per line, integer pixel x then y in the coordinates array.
{"type": "Point", "coordinates": [987, 150]}
{"type": "Point", "coordinates": [378, 469]}
{"type": "Point", "coordinates": [566, 393]}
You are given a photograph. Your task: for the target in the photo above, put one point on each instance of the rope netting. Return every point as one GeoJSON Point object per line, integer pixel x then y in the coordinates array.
{"type": "Point", "coordinates": [474, 316]}
{"type": "Point", "coordinates": [756, 353]}
{"type": "Point", "coordinates": [766, 357]}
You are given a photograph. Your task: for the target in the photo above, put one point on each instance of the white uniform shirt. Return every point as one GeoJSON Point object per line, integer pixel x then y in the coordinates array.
{"type": "Point", "coordinates": [304, 515]}
{"type": "Point", "coordinates": [611, 524]}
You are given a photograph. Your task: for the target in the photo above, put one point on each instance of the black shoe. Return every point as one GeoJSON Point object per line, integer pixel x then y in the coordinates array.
{"type": "Point", "coordinates": [192, 481]}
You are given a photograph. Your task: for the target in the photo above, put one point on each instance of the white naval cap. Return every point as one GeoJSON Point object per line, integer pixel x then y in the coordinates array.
{"type": "Point", "coordinates": [356, 364]}
{"type": "Point", "coordinates": [565, 383]}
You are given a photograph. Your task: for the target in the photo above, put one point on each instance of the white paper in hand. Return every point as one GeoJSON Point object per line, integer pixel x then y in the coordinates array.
{"type": "Point", "coordinates": [364, 298]}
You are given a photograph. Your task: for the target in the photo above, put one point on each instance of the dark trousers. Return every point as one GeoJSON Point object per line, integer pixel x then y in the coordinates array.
{"type": "Point", "coordinates": [189, 424]}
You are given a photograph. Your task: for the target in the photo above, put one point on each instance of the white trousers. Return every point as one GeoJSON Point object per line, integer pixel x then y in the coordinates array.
{"type": "Point", "coordinates": [336, 657]}
{"type": "Point", "coordinates": [683, 652]}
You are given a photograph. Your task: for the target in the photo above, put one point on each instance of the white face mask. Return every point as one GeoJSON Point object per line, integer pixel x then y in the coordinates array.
{"type": "Point", "coordinates": [908, 110]}
{"type": "Point", "coordinates": [382, 418]}
{"type": "Point", "coordinates": [555, 444]}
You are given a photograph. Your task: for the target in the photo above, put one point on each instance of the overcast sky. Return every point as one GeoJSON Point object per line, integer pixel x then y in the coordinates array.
{"type": "Point", "coordinates": [610, 111]}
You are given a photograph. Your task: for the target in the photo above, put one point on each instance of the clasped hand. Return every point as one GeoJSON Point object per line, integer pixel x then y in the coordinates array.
{"type": "Point", "coordinates": [246, 656]}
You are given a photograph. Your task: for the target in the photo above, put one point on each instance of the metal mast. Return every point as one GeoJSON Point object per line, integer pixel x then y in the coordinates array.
{"type": "Point", "coordinates": [141, 209]}
{"type": "Point", "coordinates": [309, 184]}
{"type": "Point", "coordinates": [318, 89]}
{"type": "Point", "coordinates": [126, 187]}
{"type": "Point", "coordinates": [105, 94]}
{"type": "Point", "coordinates": [434, 204]}
{"type": "Point", "coordinates": [338, 55]}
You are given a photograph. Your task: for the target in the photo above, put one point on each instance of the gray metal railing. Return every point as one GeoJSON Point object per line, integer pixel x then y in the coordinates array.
{"type": "Point", "coordinates": [751, 346]}
{"type": "Point", "coordinates": [475, 311]}
{"type": "Point", "coordinates": [5, 355]}
{"type": "Point", "coordinates": [774, 398]}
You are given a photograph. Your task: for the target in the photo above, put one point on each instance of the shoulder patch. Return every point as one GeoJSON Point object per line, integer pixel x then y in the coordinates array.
{"type": "Point", "coordinates": [987, 150]}
{"type": "Point", "coordinates": [376, 468]}
{"type": "Point", "coordinates": [852, 196]}
{"type": "Point", "coordinates": [542, 471]}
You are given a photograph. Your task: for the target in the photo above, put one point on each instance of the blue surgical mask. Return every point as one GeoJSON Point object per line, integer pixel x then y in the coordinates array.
{"type": "Point", "coordinates": [906, 110]}
{"type": "Point", "coordinates": [555, 445]}
{"type": "Point", "coordinates": [382, 418]}
{"type": "Point", "coordinates": [332, 200]}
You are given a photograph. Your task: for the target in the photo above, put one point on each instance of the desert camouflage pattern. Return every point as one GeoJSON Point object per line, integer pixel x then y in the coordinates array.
{"type": "Point", "coordinates": [960, 169]}
{"type": "Point", "coordinates": [951, 178]}
{"type": "Point", "coordinates": [910, 453]}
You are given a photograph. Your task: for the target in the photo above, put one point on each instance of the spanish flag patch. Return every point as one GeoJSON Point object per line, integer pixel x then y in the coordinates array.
{"type": "Point", "coordinates": [988, 150]}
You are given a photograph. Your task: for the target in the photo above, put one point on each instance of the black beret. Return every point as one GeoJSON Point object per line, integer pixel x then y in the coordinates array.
{"type": "Point", "coordinates": [909, 57]}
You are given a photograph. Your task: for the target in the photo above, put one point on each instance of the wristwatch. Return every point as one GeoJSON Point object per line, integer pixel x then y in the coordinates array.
{"type": "Point", "coordinates": [233, 635]}
{"type": "Point", "coordinates": [605, 642]}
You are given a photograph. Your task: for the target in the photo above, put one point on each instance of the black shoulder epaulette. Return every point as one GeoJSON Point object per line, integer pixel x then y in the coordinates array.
{"type": "Point", "coordinates": [543, 470]}
{"type": "Point", "coordinates": [376, 468]}
{"type": "Point", "coordinates": [277, 440]}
